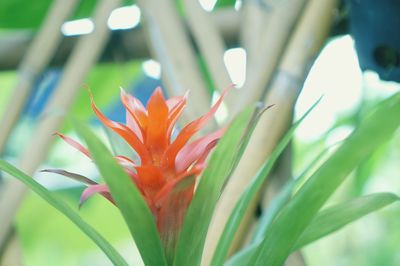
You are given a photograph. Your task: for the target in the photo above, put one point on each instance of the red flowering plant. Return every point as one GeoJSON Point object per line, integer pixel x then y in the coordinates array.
{"type": "Point", "coordinates": [168, 195]}
{"type": "Point", "coordinates": [165, 163]}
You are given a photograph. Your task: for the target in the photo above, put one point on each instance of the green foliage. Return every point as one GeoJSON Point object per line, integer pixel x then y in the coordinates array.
{"type": "Point", "coordinates": [335, 217]}
{"type": "Point", "coordinates": [301, 210]}
{"type": "Point", "coordinates": [245, 200]}
{"type": "Point", "coordinates": [220, 166]}
{"type": "Point", "coordinates": [66, 210]}
{"type": "Point", "coordinates": [134, 209]}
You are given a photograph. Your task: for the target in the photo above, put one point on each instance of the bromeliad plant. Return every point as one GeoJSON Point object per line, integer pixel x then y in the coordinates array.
{"type": "Point", "coordinates": [168, 214]}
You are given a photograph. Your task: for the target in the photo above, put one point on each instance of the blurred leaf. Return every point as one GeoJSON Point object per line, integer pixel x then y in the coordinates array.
{"type": "Point", "coordinates": [376, 129]}
{"type": "Point", "coordinates": [210, 187]}
{"type": "Point", "coordinates": [225, 3]}
{"type": "Point", "coordinates": [104, 80]}
{"type": "Point", "coordinates": [19, 14]}
{"type": "Point", "coordinates": [134, 209]}
{"type": "Point", "coordinates": [335, 217]}
{"type": "Point", "coordinates": [7, 80]}
{"type": "Point", "coordinates": [239, 211]}
{"type": "Point", "coordinates": [367, 167]}
{"type": "Point", "coordinates": [65, 210]}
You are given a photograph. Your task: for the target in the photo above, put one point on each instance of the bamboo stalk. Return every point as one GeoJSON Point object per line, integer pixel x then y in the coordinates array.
{"type": "Point", "coordinates": [36, 59]}
{"type": "Point", "coordinates": [308, 38]}
{"type": "Point", "coordinates": [83, 57]}
{"type": "Point", "coordinates": [12, 254]}
{"type": "Point", "coordinates": [131, 43]}
{"type": "Point", "coordinates": [210, 42]}
{"type": "Point", "coordinates": [280, 19]}
{"type": "Point", "coordinates": [171, 46]}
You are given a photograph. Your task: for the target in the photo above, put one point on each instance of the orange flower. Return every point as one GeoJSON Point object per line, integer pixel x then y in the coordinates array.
{"type": "Point", "coordinates": [167, 171]}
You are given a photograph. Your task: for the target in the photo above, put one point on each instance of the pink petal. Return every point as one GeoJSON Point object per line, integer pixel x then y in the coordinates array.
{"type": "Point", "coordinates": [135, 109]}
{"type": "Point", "coordinates": [74, 144]}
{"type": "Point", "coordinates": [93, 189]}
{"type": "Point", "coordinates": [194, 151]}
{"type": "Point", "coordinates": [133, 125]}
{"type": "Point", "coordinates": [175, 113]}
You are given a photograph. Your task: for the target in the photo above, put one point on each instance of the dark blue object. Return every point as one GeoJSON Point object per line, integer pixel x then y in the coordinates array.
{"type": "Point", "coordinates": [375, 27]}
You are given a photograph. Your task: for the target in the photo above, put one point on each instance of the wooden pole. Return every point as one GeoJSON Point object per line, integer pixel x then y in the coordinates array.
{"type": "Point", "coordinates": [267, 46]}
{"type": "Point", "coordinates": [210, 42]}
{"type": "Point", "coordinates": [83, 57]}
{"type": "Point", "coordinates": [307, 40]}
{"type": "Point", "coordinates": [35, 61]}
{"type": "Point", "coordinates": [171, 46]}
{"type": "Point", "coordinates": [130, 43]}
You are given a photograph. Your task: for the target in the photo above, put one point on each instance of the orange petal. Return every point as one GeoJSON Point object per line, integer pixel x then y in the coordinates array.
{"type": "Point", "coordinates": [150, 176]}
{"type": "Point", "coordinates": [124, 132]}
{"type": "Point", "coordinates": [74, 144]}
{"type": "Point", "coordinates": [197, 149]}
{"type": "Point", "coordinates": [188, 131]}
{"type": "Point", "coordinates": [157, 109]}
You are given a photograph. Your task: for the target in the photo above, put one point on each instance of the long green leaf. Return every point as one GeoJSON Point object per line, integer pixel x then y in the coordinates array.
{"type": "Point", "coordinates": [214, 177]}
{"type": "Point", "coordinates": [63, 208]}
{"type": "Point", "coordinates": [327, 222]}
{"type": "Point", "coordinates": [244, 255]}
{"type": "Point", "coordinates": [240, 209]}
{"type": "Point", "coordinates": [283, 234]}
{"type": "Point", "coordinates": [335, 217]}
{"type": "Point", "coordinates": [135, 211]}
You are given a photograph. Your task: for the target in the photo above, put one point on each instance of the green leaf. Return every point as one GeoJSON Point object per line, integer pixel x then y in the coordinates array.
{"type": "Point", "coordinates": [240, 209]}
{"type": "Point", "coordinates": [335, 217]}
{"type": "Point", "coordinates": [213, 179]}
{"type": "Point", "coordinates": [244, 255]}
{"type": "Point", "coordinates": [283, 234]}
{"type": "Point", "coordinates": [63, 208]}
{"type": "Point", "coordinates": [134, 209]}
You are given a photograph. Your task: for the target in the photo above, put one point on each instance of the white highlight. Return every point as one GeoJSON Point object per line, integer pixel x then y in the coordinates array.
{"type": "Point", "coordinates": [77, 27]}
{"type": "Point", "coordinates": [222, 113]}
{"type": "Point", "coordinates": [152, 68]}
{"type": "Point", "coordinates": [208, 5]}
{"type": "Point", "coordinates": [122, 18]}
{"type": "Point", "coordinates": [337, 77]}
{"type": "Point", "coordinates": [235, 62]}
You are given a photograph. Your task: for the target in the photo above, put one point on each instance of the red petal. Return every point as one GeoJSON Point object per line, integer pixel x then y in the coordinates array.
{"type": "Point", "coordinates": [156, 139]}
{"type": "Point", "coordinates": [188, 131]}
{"type": "Point", "coordinates": [197, 149]}
{"type": "Point", "coordinates": [93, 189]}
{"type": "Point", "coordinates": [124, 132]}
{"type": "Point", "coordinates": [74, 144]}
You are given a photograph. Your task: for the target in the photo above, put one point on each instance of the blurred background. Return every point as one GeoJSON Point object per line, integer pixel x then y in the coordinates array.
{"type": "Point", "coordinates": [288, 53]}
